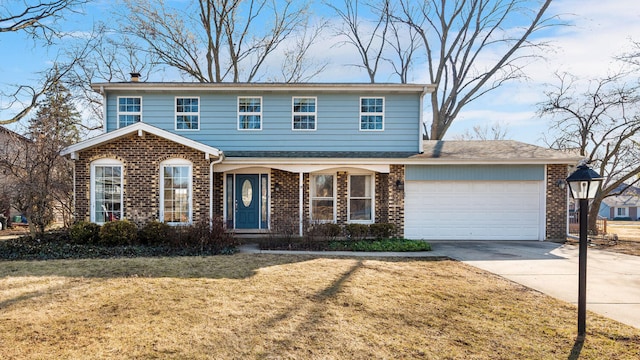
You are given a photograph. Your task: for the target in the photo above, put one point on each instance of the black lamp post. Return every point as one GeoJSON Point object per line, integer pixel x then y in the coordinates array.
{"type": "Point", "coordinates": [584, 184]}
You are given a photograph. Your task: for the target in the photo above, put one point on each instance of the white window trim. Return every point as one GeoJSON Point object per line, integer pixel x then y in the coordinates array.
{"type": "Point", "coordinates": [294, 113]}
{"type": "Point", "coordinates": [118, 112]}
{"type": "Point", "coordinates": [176, 113]}
{"type": "Point", "coordinates": [373, 199]}
{"type": "Point", "coordinates": [384, 104]}
{"type": "Point", "coordinates": [335, 197]}
{"type": "Point", "coordinates": [250, 113]}
{"type": "Point", "coordinates": [626, 212]}
{"type": "Point", "coordinates": [176, 162]}
{"type": "Point", "coordinates": [92, 185]}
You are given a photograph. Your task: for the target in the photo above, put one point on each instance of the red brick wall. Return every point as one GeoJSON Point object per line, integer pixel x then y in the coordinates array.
{"type": "Point", "coordinates": [141, 157]}
{"type": "Point", "coordinates": [285, 208]}
{"type": "Point", "coordinates": [556, 212]}
{"type": "Point", "coordinates": [396, 199]}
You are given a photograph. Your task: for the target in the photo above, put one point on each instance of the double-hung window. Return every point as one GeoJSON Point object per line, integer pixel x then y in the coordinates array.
{"type": "Point", "coordinates": [304, 113]}
{"type": "Point", "coordinates": [371, 114]}
{"type": "Point", "coordinates": [249, 113]}
{"type": "Point", "coordinates": [323, 202]}
{"type": "Point", "coordinates": [360, 198]}
{"type": "Point", "coordinates": [187, 113]}
{"type": "Point", "coordinates": [622, 212]}
{"type": "Point", "coordinates": [175, 191]}
{"type": "Point", "coordinates": [106, 190]}
{"type": "Point", "coordinates": [129, 110]}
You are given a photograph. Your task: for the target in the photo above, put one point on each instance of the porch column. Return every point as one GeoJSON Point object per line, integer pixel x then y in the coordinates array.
{"type": "Point", "coordinates": [301, 203]}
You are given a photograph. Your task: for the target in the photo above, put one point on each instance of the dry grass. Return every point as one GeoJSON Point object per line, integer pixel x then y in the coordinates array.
{"type": "Point", "coordinates": [292, 307]}
{"type": "Point", "coordinates": [628, 235]}
{"type": "Point", "coordinates": [626, 230]}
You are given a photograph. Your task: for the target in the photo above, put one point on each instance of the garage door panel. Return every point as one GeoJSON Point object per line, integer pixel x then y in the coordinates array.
{"type": "Point", "coordinates": [473, 210]}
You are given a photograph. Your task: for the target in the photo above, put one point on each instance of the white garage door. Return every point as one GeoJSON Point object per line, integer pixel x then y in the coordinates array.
{"type": "Point", "coordinates": [474, 210]}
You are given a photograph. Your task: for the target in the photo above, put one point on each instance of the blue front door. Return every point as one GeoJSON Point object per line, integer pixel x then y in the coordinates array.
{"type": "Point", "coordinates": [247, 202]}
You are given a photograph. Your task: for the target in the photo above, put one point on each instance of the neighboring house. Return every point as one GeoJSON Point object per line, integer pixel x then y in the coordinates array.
{"type": "Point", "coordinates": [624, 206]}
{"type": "Point", "coordinates": [10, 143]}
{"type": "Point", "coordinates": [264, 157]}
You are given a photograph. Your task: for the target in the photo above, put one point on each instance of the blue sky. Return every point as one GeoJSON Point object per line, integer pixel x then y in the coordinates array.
{"type": "Point", "coordinates": [598, 31]}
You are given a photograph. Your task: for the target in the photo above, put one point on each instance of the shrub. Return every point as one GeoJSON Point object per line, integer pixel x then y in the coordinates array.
{"type": "Point", "coordinates": [398, 245]}
{"type": "Point", "coordinates": [324, 230]}
{"type": "Point", "coordinates": [205, 236]}
{"type": "Point", "coordinates": [118, 233]}
{"type": "Point", "coordinates": [84, 233]}
{"type": "Point", "coordinates": [356, 231]}
{"type": "Point", "coordinates": [155, 233]}
{"type": "Point", "coordinates": [382, 230]}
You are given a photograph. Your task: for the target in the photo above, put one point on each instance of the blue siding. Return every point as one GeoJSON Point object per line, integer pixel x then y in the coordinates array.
{"type": "Point", "coordinates": [474, 172]}
{"type": "Point", "coordinates": [337, 122]}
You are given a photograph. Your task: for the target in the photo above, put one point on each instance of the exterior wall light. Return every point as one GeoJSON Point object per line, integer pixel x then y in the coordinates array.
{"type": "Point", "coordinates": [399, 185]}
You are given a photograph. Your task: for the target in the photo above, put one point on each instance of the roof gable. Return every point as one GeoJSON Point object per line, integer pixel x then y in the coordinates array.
{"type": "Point", "coordinates": [140, 128]}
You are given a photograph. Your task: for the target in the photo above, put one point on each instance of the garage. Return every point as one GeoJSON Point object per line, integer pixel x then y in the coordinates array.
{"type": "Point", "coordinates": [475, 203]}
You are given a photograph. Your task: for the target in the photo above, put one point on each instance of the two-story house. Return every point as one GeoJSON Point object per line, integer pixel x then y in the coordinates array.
{"type": "Point", "coordinates": [266, 156]}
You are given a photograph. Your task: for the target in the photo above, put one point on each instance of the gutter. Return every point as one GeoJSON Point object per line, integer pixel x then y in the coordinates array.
{"type": "Point", "coordinates": [220, 159]}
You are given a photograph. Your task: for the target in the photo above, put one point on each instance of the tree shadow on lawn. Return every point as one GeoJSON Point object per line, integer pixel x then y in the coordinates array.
{"type": "Point", "coordinates": [238, 266]}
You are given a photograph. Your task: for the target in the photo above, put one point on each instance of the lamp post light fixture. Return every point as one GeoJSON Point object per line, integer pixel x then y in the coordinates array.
{"type": "Point", "coordinates": [584, 184]}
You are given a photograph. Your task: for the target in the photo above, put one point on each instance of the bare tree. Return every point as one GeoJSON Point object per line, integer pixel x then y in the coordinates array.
{"type": "Point", "coordinates": [405, 44]}
{"type": "Point", "coordinates": [43, 180]}
{"type": "Point", "coordinates": [105, 55]}
{"type": "Point", "coordinates": [38, 19]}
{"type": "Point", "coordinates": [367, 37]}
{"type": "Point", "coordinates": [603, 124]}
{"type": "Point", "coordinates": [461, 39]}
{"type": "Point", "coordinates": [496, 131]}
{"type": "Point", "coordinates": [215, 40]}
{"type": "Point", "coordinates": [297, 66]}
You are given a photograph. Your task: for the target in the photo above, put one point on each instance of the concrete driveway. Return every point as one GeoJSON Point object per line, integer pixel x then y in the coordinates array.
{"type": "Point", "coordinates": [613, 280]}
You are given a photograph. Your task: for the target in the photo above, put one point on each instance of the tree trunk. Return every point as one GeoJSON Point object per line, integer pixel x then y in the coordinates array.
{"type": "Point", "coordinates": [594, 209]}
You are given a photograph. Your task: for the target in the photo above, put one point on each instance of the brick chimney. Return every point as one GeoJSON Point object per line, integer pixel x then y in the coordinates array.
{"type": "Point", "coordinates": [135, 77]}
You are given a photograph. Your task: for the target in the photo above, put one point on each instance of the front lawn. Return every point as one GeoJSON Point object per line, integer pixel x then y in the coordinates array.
{"type": "Point", "coordinates": [263, 306]}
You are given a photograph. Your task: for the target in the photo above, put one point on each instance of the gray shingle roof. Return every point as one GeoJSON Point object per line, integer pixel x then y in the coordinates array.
{"type": "Point", "coordinates": [492, 150]}
{"type": "Point", "coordinates": [320, 154]}
{"type": "Point", "coordinates": [436, 152]}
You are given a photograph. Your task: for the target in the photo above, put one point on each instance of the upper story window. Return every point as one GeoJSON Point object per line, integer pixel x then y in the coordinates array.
{"type": "Point", "coordinates": [187, 113]}
{"type": "Point", "coordinates": [249, 113]}
{"type": "Point", "coordinates": [371, 114]}
{"type": "Point", "coordinates": [304, 113]}
{"type": "Point", "coordinates": [129, 110]}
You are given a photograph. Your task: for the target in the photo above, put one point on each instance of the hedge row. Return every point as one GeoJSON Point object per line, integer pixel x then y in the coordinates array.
{"type": "Point", "coordinates": [205, 235]}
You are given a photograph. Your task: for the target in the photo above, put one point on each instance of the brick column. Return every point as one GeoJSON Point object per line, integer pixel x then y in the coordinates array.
{"type": "Point", "coordinates": [556, 211]}
{"type": "Point", "coordinates": [396, 199]}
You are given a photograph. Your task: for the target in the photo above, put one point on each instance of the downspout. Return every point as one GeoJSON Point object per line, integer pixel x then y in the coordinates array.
{"type": "Point", "coordinates": [220, 159]}
{"type": "Point", "coordinates": [73, 211]}
{"type": "Point", "coordinates": [301, 204]}
{"type": "Point", "coordinates": [104, 109]}
{"type": "Point", "coordinates": [421, 120]}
